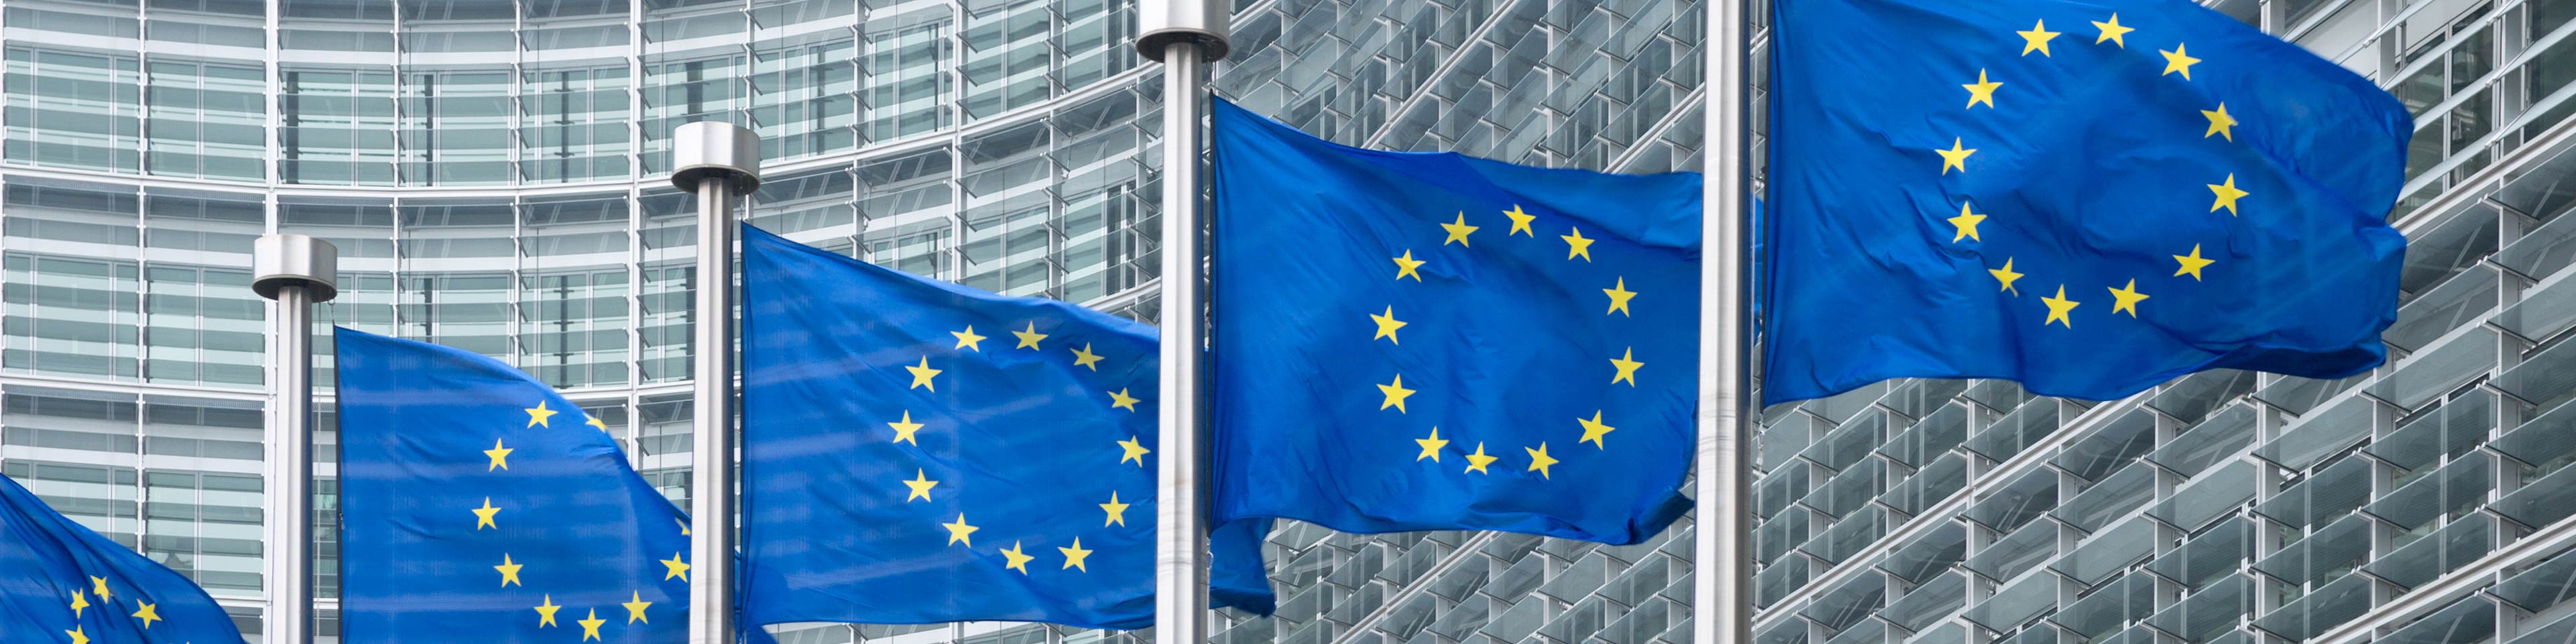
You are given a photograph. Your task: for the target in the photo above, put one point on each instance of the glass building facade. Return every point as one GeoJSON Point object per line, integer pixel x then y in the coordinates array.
{"type": "Point", "coordinates": [493, 174]}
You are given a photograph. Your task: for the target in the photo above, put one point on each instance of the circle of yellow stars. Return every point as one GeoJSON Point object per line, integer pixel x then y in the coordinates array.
{"type": "Point", "coordinates": [1393, 394]}
{"type": "Point", "coordinates": [489, 517]}
{"type": "Point", "coordinates": [2125, 298]}
{"type": "Point", "coordinates": [961, 533]}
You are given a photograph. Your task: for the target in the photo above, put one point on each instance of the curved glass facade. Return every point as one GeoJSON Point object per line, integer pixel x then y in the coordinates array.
{"type": "Point", "coordinates": [492, 172]}
{"type": "Point", "coordinates": [494, 176]}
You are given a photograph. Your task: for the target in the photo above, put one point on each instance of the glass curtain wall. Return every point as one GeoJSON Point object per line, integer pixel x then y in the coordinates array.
{"type": "Point", "coordinates": [492, 172]}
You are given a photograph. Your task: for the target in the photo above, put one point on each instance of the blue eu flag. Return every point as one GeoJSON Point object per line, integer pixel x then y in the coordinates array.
{"type": "Point", "coordinates": [1436, 342]}
{"type": "Point", "coordinates": [2088, 197]}
{"type": "Point", "coordinates": [479, 506]}
{"type": "Point", "coordinates": [61, 582]}
{"type": "Point", "coordinates": [916, 451]}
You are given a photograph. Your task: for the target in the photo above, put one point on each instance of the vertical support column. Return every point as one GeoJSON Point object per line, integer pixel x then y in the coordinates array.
{"type": "Point", "coordinates": [272, 140]}
{"type": "Point", "coordinates": [2383, 480]}
{"type": "Point", "coordinates": [2268, 422]}
{"type": "Point", "coordinates": [1180, 516]}
{"type": "Point", "coordinates": [296, 272]}
{"type": "Point", "coordinates": [1184, 35]}
{"type": "Point", "coordinates": [1722, 592]}
{"type": "Point", "coordinates": [720, 162]}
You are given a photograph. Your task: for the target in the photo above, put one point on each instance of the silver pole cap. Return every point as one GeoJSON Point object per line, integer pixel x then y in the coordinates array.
{"type": "Point", "coordinates": [280, 261]}
{"type": "Point", "coordinates": [715, 150]}
{"type": "Point", "coordinates": [1164, 22]}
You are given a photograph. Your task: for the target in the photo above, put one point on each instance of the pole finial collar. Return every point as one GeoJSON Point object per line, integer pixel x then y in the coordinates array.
{"type": "Point", "coordinates": [705, 150]}
{"type": "Point", "coordinates": [1162, 23]}
{"type": "Point", "coordinates": [280, 261]}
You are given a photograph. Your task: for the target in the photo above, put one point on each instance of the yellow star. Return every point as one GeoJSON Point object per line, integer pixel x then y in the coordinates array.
{"type": "Point", "coordinates": [1458, 231]}
{"type": "Point", "coordinates": [1132, 449]}
{"type": "Point", "coordinates": [77, 636]}
{"type": "Point", "coordinates": [922, 374]}
{"type": "Point", "coordinates": [674, 568]}
{"type": "Point", "coordinates": [2036, 39]}
{"type": "Point", "coordinates": [1387, 324]}
{"type": "Point", "coordinates": [590, 627]}
{"type": "Point", "coordinates": [79, 601]}
{"type": "Point", "coordinates": [2227, 194]}
{"type": "Point", "coordinates": [2058, 307]}
{"type": "Point", "coordinates": [537, 415]}
{"type": "Point", "coordinates": [1576, 245]}
{"type": "Point", "coordinates": [1966, 222]}
{"type": "Point", "coordinates": [546, 612]}
{"type": "Point", "coordinates": [1117, 511]}
{"type": "Point", "coordinates": [1029, 339]}
{"type": "Point", "coordinates": [635, 605]}
{"type": "Point", "coordinates": [1955, 157]}
{"type": "Point", "coordinates": [1395, 394]}
{"type": "Point", "coordinates": [904, 429]}
{"type": "Point", "coordinates": [100, 584]}
{"type": "Point", "coordinates": [1520, 221]}
{"type": "Point", "coordinates": [2127, 298]}
{"type": "Point", "coordinates": [1594, 429]}
{"type": "Point", "coordinates": [500, 460]}
{"type": "Point", "coordinates": [1015, 559]}
{"type": "Point", "coordinates": [1083, 357]}
{"type": "Point", "coordinates": [2192, 263]}
{"type": "Point", "coordinates": [483, 515]}
{"type": "Point", "coordinates": [2220, 123]}
{"type": "Point", "coordinates": [1539, 460]}
{"type": "Point", "coordinates": [2112, 31]}
{"type": "Point", "coordinates": [920, 485]}
{"type": "Point", "coordinates": [148, 614]}
{"type": "Point", "coordinates": [1982, 91]}
{"type": "Point", "coordinates": [1627, 365]}
{"type": "Point", "coordinates": [684, 526]}
{"type": "Point", "coordinates": [2177, 61]}
{"type": "Point", "coordinates": [968, 340]}
{"type": "Point", "coordinates": [509, 570]}
{"type": "Point", "coordinates": [1431, 446]}
{"type": "Point", "coordinates": [1476, 462]}
{"type": "Point", "coordinates": [1405, 265]}
{"type": "Point", "coordinates": [957, 531]}
{"type": "Point", "coordinates": [1619, 296]}
{"type": "Point", "coordinates": [1073, 556]}
{"type": "Point", "coordinates": [2006, 275]}
{"type": "Point", "coordinates": [1120, 400]}
{"type": "Point", "coordinates": [593, 421]}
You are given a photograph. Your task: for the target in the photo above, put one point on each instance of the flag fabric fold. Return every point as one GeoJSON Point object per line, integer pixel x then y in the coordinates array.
{"type": "Point", "coordinates": [478, 505]}
{"type": "Point", "coordinates": [917, 451]}
{"type": "Point", "coordinates": [62, 582]}
{"type": "Point", "coordinates": [2088, 197]}
{"type": "Point", "coordinates": [1410, 341]}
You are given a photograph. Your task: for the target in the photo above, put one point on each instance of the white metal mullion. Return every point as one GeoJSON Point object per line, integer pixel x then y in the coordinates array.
{"type": "Point", "coordinates": [954, 70]}
{"type": "Point", "coordinates": [142, 97]}
{"type": "Point", "coordinates": [273, 143]}
{"type": "Point", "coordinates": [635, 141]}
{"type": "Point", "coordinates": [635, 320]}
{"type": "Point", "coordinates": [634, 325]}
{"type": "Point", "coordinates": [4, 65]}
{"type": "Point", "coordinates": [518, 106]}
{"type": "Point", "coordinates": [402, 58]}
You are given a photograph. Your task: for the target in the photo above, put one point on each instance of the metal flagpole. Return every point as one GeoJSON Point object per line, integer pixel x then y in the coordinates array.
{"type": "Point", "coordinates": [1185, 35]}
{"type": "Point", "coordinates": [1722, 594]}
{"type": "Point", "coordinates": [297, 272]}
{"type": "Point", "coordinates": [718, 161]}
